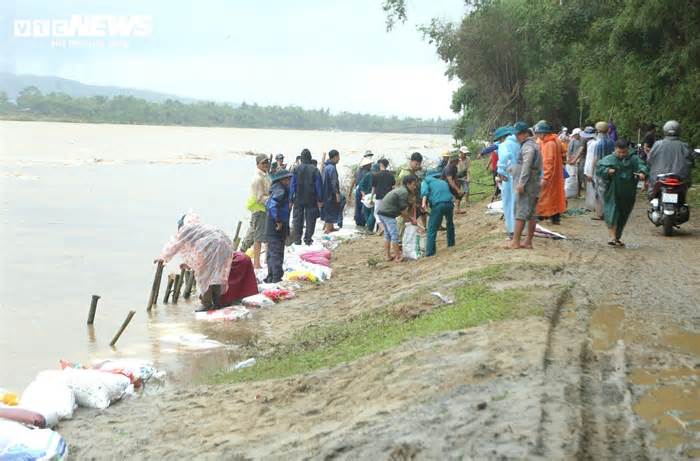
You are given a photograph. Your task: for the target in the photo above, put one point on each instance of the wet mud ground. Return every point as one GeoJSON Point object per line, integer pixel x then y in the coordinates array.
{"type": "Point", "coordinates": [609, 371]}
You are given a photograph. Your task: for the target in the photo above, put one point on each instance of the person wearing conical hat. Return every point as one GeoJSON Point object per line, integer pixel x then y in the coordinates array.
{"type": "Point", "coordinates": [277, 224]}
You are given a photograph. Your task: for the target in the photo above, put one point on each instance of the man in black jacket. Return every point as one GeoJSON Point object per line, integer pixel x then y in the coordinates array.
{"type": "Point", "coordinates": [307, 198]}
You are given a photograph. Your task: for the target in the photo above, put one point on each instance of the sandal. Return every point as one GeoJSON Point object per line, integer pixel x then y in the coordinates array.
{"type": "Point", "coordinates": [612, 243]}
{"type": "Point", "coordinates": [619, 243]}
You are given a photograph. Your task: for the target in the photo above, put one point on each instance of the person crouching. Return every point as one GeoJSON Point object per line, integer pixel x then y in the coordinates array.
{"type": "Point", "coordinates": [277, 224]}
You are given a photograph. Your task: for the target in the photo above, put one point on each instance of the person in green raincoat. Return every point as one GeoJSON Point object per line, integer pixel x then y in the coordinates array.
{"type": "Point", "coordinates": [620, 173]}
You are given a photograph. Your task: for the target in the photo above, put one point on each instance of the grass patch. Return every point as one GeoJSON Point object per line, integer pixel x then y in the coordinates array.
{"type": "Point", "coordinates": [329, 345]}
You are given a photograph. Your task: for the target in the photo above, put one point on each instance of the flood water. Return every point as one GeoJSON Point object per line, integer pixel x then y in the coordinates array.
{"type": "Point", "coordinates": [85, 208]}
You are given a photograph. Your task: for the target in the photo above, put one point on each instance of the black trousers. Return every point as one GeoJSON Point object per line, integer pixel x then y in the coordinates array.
{"type": "Point", "coordinates": [305, 214]}
{"type": "Point", "coordinates": [275, 259]}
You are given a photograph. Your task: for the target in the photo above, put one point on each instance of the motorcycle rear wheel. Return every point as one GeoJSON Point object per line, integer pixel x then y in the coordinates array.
{"type": "Point", "coordinates": [668, 226]}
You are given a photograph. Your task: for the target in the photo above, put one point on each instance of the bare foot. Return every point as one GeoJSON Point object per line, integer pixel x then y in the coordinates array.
{"type": "Point", "coordinates": [525, 247]}
{"type": "Point", "coordinates": [389, 258]}
{"type": "Point", "coordinates": [512, 246]}
{"type": "Point", "coordinates": [398, 259]}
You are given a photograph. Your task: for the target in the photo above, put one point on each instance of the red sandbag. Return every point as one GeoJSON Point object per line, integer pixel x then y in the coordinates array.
{"type": "Point", "coordinates": [20, 415]}
{"type": "Point", "coordinates": [321, 257]}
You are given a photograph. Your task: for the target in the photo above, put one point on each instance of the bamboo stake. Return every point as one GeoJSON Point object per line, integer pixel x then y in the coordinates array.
{"type": "Point", "coordinates": [128, 318]}
{"type": "Point", "coordinates": [169, 288]}
{"type": "Point", "coordinates": [93, 309]}
{"type": "Point", "coordinates": [155, 288]}
{"type": "Point", "coordinates": [237, 238]}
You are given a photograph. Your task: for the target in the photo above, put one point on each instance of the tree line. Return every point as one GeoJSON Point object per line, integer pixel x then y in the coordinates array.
{"type": "Point", "coordinates": [571, 62]}
{"type": "Point", "coordinates": [32, 104]}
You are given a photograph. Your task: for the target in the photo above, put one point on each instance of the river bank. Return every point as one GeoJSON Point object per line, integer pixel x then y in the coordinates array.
{"type": "Point", "coordinates": [583, 357]}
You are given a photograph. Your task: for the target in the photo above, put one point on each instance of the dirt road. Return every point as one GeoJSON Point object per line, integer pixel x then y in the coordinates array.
{"type": "Point", "coordinates": [610, 371]}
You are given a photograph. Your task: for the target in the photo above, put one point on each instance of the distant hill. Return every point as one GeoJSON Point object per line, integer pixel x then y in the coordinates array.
{"type": "Point", "coordinates": [12, 84]}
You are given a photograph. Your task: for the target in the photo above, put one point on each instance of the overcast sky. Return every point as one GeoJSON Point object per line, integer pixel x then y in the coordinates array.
{"type": "Point", "coordinates": [314, 53]}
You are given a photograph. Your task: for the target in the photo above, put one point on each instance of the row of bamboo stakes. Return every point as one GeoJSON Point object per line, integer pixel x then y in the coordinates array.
{"type": "Point", "coordinates": [172, 291]}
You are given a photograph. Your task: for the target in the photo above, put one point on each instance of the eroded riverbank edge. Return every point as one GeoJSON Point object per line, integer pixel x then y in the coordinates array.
{"type": "Point", "coordinates": [587, 378]}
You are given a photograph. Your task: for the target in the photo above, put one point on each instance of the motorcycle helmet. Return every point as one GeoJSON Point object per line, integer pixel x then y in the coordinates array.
{"type": "Point", "coordinates": [672, 128]}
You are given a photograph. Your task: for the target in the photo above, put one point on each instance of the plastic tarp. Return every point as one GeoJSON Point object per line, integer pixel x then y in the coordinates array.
{"type": "Point", "coordinates": [192, 342]}
{"type": "Point", "coordinates": [205, 249]}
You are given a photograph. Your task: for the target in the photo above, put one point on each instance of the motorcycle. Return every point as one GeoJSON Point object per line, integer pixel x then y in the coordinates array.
{"type": "Point", "coordinates": [667, 205]}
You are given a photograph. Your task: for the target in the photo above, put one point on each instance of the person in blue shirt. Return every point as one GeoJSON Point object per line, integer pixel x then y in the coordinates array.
{"type": "Point", "coordinates": [307, 198]}
{"type": "Point", "coordinates": [436, 192]}
{"type": "Point", "coordinates": [277, 224]}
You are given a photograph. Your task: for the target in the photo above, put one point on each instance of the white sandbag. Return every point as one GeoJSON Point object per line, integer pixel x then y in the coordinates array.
{"type": "Point", "coordinates": [227, 313]}
{"type": "Point", "coordinates": [258, 300]}
{"type": "Point", "coordinates": [413, 243]}
{"type": "Point", "coordinates": [139, 371]}
{"type": "Point", "coordinates": [571, 183]}
{"type": "Point", "coordinates": [495, 207]}
{"type": "Point", "coordinates": [96, 389]}
{"type": "Point", "coordinates": [18, 442]}
{"type": "Point", "coordinates": [193, 342]}
{"type": "Point", "coordinates": [50, 396]}
{"type": "Point", "coordinates": [322, 273]}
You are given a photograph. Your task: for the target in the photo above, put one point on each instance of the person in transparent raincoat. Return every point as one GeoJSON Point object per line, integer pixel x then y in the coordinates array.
{"type": "Point", "coordinates": [204, 249]}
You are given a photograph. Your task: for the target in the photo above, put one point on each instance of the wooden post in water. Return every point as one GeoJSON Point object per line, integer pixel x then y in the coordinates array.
{"type": "Point", "coordinates": [179, 280]}
{"type": "Point", "coordinates": [237, 238]}
{"type": "Point", "coordinates": [93, 309]}
{"type": "Point", "coordinates": [189, 284]}
{"type": "Point", "coordinates": [128, 318]}
{"type": "Point", "coordinates": [155, 288]}
{"type": "Point", "coordinates": [169, 288]}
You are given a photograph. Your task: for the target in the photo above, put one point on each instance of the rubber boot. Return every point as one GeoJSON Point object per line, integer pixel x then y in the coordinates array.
{"type": "Point", "coordinates": [216, 296]}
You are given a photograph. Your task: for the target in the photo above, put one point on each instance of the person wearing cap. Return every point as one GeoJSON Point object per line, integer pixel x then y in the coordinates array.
{"type": "Point", "coordinates": [415, 168]}
{"type": "Point", "coordinates": [277, 224]}
{"type": "Point", "coordinates": [444, 160]}
{"type": "Point", "coordinates": [362, 171]}
{"type": "Point", "coordinates": [331, 213]}
{"type": "Point", "coordinates": [436, 192]}
{"type": "Point", "coordinates": [464, 174]}
{"type": "Point", "coordinates": [259, 192]}
{"type": "Point", "coordinates": [365, 188]}
{"type": "Point", "coordinates": [552, 200]}
{"type": "Point", "coordinates": [508, 149]}
{"type": "Point", "coordinates": [573, 154]}
{"type": "Point", "coordinates": [526, 181]}
{"type": "Point", "coordinates": [587, 136]}
{"type": "Point", "coordinates": [279, 164]}
{"type": "Point", "coordinates": [306, 197]}
{"type": "Point", "coordinates": [596, 150]}
{"type": "Point", "coordinates": [449, 174]}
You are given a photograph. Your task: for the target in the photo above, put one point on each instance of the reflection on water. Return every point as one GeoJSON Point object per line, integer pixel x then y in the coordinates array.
{"type": "Point", "coordinates": [68, 232]}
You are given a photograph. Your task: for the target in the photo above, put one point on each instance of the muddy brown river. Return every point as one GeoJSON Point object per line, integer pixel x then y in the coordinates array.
{"type": "Point", "coordinates": [85, 208]}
